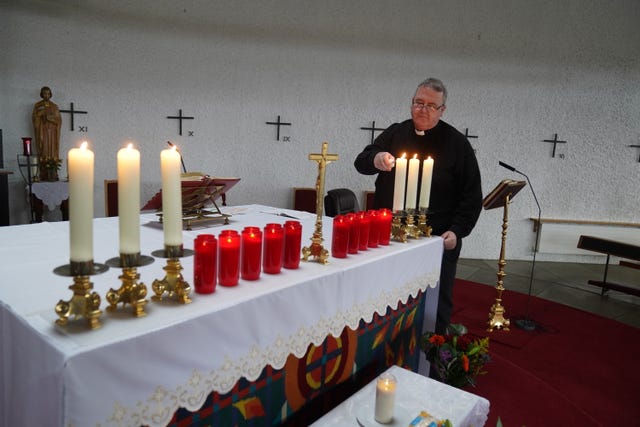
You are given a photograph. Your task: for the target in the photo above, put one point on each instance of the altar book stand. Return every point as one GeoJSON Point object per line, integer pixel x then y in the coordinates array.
{"type": "Point", "coordinates": [501, 196]}
{"type": "Point", "coordinates": [199, 194]}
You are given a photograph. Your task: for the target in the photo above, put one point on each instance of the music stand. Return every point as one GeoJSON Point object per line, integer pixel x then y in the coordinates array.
{"type": "Point", "coordinates": [500, 197]}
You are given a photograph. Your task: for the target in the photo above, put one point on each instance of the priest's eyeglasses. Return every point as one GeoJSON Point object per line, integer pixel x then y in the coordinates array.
{"type": "Point", "coordinates": [426, 107]}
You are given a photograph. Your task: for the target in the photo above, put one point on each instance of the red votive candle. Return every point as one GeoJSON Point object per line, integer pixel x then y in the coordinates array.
{"type": "Point", "coordinates": [228, 258]}
{"type": "Point", "coordinates": [340, 237]}
{"type": "Point", "coordinates": [251, 253]}
{"type": "Point", "coordinates": [292, 243]}
{"type": "Point", "coordinates": [354, 233]}
{"type": "Point", "coordinates": [385, 217]}
{"type": "Point", "coordinates": [374, 229]}
{"type": "Point", "coordinates": [273, 248]}
{"type": "Point", "coordinates": [26, 146]}
{"type": "Point", "coordinates": [365, 225]}
{"type": "Point", "coordinates": [204, 263]}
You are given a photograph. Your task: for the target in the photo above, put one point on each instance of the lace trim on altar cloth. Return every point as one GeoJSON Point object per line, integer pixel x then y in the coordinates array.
{"type": "Point", "coordinates": [159, 408]}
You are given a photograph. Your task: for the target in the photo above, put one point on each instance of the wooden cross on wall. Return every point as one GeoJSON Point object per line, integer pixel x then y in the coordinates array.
{"type": "Point", "coordinates": [555, 142]}
{"type": "Point", "coordinates": [73, 113]}
{"type": "Point", "coordinates": [635, 146]}
{"type": "Point", "coordinates": [180, 118]}
{"type": "Point", "coordinates": [278, 124]}
{"type": "Point", "coordinates": [373, 130]}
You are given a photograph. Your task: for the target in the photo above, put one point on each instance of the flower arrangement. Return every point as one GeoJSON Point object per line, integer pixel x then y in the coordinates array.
{"type": "Point", "coordinates": [49, 168]}
{"type": "Point", "coordinates": [456, 358]}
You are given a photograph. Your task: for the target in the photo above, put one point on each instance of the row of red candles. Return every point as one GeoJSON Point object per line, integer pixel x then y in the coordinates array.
{"type": "Point", "coordinates": [358, 231]}
{"type": "Point", "coordinates": [234, 255]}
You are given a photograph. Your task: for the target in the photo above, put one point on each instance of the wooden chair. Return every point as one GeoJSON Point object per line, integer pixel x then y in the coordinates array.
{"type": "Point", "coordinates": [304, 199]}
{"type": "Point", "coordinates": [111, 197]}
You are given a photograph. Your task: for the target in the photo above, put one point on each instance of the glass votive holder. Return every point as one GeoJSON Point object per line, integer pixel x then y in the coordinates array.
{"type": "Point", "coordinates": [273, 253]}
{"type": "Point", "coordinates": [340, 237]}
{"type": "Point", "coordinates": [385, 398]}
{"type": "Point", "coordinates": [374, 229]}
{"type": "Point", "coordinates": [365, 224]}
{"type": "Point", "coordinates": [292, 244]}
{"type": "Point", "coordinates": [251, 253]}
{"type": "Point", "coordinates": [385, 218]}
{"type": "Point", "coordinates": [205, 256]}
{"type": "Point", "coordinates": [228, 258]}
{"type": "Point", "coordinates": [354, 233]}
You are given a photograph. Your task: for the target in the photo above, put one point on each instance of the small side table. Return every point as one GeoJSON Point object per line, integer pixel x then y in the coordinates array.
{"type": "Point", "coordinates": [52, 194]}
{"type": "Point", "coordinates": [414, 393]}
{"type": "Point", "coordinates": [4, 197]}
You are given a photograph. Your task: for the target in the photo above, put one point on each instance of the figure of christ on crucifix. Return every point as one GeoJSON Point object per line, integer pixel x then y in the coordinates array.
{"type": "Point", "coordinates": [319, 253]}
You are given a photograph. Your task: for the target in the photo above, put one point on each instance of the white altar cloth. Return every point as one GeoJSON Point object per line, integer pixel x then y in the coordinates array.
{"type": "Point", "coordinates": [414, 393]}
{"type": "Point", "coordinates": [52, 193]}
{"type": "Point", "coordinates": [135, 371]}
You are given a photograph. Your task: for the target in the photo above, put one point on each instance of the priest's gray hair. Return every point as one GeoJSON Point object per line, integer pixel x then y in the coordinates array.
{"type": "Point", "coordinates": [437, 85]}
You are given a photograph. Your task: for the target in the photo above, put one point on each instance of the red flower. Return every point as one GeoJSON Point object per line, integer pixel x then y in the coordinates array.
{"type": "Point", "coordinates": [465, 363]}
{"type": "Point", "coordinates": [436, 339]}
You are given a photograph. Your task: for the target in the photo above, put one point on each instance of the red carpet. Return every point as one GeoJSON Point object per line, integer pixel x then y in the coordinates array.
{"type": "Point", "coordinates": [578, 370]}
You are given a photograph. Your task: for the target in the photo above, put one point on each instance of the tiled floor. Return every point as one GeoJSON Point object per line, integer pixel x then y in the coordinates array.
{"type": "Point", "coordinates": [565, 283]}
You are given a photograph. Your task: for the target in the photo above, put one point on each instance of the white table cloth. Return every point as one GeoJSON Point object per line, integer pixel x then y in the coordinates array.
{"type": "Point", "coordinates": [414, 393]}
{"type": "Point", "coordinates": [135, 371]}
{"type": "Point", "coordinates": [52, 194]}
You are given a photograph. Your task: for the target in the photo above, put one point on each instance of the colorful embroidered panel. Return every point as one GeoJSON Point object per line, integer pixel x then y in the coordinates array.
{"type": "Point", "coordinates": [297, 394]}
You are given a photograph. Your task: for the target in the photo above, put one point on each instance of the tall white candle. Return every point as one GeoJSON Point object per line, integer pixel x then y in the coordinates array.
{"type": "Point", "coordinates": [80, 164]}
{"type": "Point", "coordinates": [385, 398]}
{"type": "Point", "coordinates": [399, 184]}
{"type": "Point", "coordinates": [171, 196]}
{"type": "Point", "coordinates": [425, 185]}
{"type": "Point", "coordinates": [129, 199]}
{"type": "Point", "coordinates": [412, 183]}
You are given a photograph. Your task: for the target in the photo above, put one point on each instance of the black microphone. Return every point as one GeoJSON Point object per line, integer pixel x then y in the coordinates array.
{"type": "Point", "coordinates": [504, 165]}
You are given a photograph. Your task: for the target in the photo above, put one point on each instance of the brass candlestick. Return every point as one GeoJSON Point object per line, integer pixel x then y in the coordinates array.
{"type": "Point", "coordinates": [131, 292]}
{"type": "Point", "coordinates": [84, 302]}
{"type": "Point", "coordinates": [424, 228]}
{"type": "Point", "coordinates": [173, 283]}
{"type": "Point", "coordinates": [496, 314]}
{"type": "Point", "coordinates": [319, 253]}
{"type": "Point", "coordinates": [398, 230]}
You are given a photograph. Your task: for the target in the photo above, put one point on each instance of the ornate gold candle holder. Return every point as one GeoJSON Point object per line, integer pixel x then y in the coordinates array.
{"type": "Point", "coordinates": [173, 283]}
{"type": "Point", "coordinates": [424, 228]}
{"type": "Point", "coordinates": [84, 302]}
{"type": "Point", "coordinates": [130, 292]}
{"type": "Point", "coordinates": [398, 230]}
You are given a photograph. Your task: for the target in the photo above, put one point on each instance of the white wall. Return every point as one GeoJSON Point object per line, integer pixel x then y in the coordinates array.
{"type": "Point", "coordinates": [517, 72]}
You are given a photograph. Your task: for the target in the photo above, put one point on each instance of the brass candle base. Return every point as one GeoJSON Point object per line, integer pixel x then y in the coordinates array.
{"type": "Point", "coordinates": [404, 225]}
{"type": "Point", "coordinates": [425, 229]}
{"type": "Point", "coordinates": [316, 250]}
{"type": "Point", "coordinates": [131, 292]}
{"type": "Point", "coordinates": [84, 302]}
{"type": "Point", "coordinates": [173, 284]}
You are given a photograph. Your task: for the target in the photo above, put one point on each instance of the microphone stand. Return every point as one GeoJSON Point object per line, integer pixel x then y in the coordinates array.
{"type": "Point", "coordinates": [526, 323]}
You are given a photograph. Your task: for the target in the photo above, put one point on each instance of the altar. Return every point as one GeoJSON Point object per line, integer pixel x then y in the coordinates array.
{"type": "Point", "coordinates": [221, 349]}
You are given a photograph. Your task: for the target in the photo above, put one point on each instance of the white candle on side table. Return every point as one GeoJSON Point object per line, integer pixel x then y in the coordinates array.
{"type": "Point", "coordinates": [399, 184]}
{"type": "Point", "coordinates": [129, 199]}
{"type": "Point", "coordinates": [171, 197]}
{"type": "Point", "coordinates": [412, 183]}
{"type": "Point", "coordinates": [425, 186]}
{"type": "Point", "coordinates": [80, 164]}
{"type": "Point", "coordinates": [385, 398]}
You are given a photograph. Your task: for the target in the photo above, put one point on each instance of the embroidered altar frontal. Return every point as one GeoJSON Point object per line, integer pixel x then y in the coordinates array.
{"type": "Point", "coordinates": [347, 362]}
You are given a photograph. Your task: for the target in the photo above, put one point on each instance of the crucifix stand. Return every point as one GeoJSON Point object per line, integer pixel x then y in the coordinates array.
{"type": "Point", "coordinates": [319, 253]}
{"type": "Point", "coordinates": [501, 196]}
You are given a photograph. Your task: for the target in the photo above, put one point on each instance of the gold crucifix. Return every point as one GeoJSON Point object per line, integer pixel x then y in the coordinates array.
{"type": "Point", "coordinates": [319, 253]}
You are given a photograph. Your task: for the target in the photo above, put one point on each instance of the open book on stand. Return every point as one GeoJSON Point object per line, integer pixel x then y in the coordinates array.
{"type": "Point", "coordinates": [199, 195]}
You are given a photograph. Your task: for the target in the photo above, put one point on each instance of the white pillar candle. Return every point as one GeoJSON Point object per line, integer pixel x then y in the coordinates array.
{"type": "Point", "coordinates": [399, 184]}
{"type": "Point", "coordinates": [425, 185]}
{"type": "Point", "coordinates": [171, 196]}
{"type": "Point", "coordinates": [412, 183]}
{"type": "Point", "coordinates": [129, 199]}
{"type": "Point", "coordinates": [385, 398]}
{"type": "Point", "coordinates": [80, 164]}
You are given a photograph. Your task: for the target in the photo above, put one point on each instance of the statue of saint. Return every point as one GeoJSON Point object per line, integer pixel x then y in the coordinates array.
{"type": "Point", "coordinates": [46, 125]}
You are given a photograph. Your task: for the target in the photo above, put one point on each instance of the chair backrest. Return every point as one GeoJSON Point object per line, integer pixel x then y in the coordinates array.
{"type": "Point", "coordinates": [340, 201]}
{"type": "Point", "coordinates": [111, 197]}
{"type": "Point", "coordinates": [304, 199]}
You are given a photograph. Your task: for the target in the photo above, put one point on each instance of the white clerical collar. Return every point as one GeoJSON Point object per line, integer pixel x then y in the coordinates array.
{"type": "Point", "coordinates": [419, 132]}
